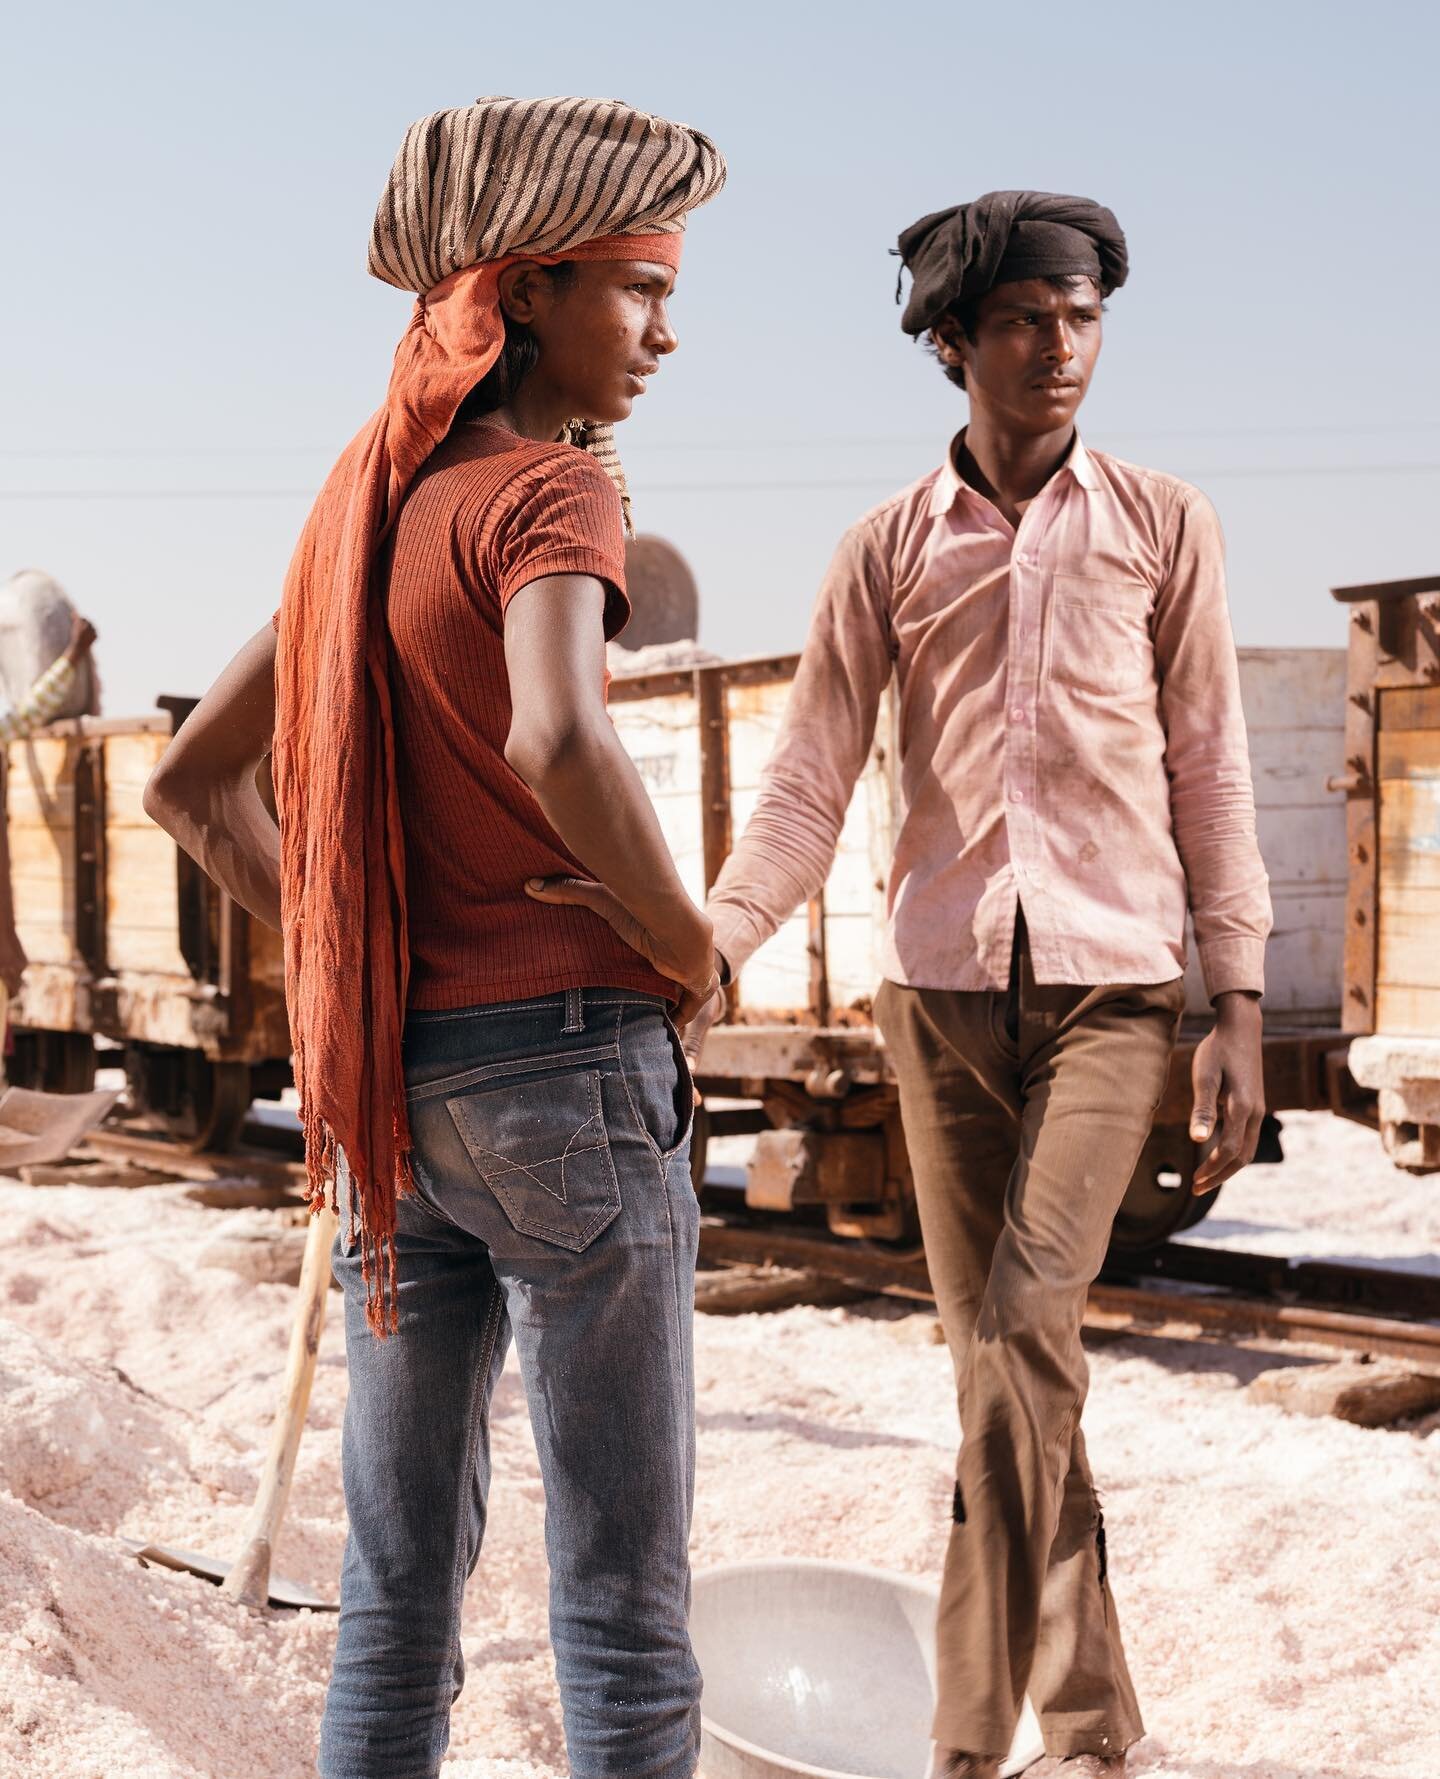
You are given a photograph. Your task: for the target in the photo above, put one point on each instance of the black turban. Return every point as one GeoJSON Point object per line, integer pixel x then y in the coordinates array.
{"type": "Point", "coordinates": [999, 239]}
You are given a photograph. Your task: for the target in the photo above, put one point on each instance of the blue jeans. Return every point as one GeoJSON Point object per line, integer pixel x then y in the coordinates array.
{"type": "Point", "coordinates": [553, 1202]}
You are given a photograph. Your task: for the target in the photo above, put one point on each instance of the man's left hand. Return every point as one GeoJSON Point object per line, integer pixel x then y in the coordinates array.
{"type": "Point", "coordinates": [1229, 1087]}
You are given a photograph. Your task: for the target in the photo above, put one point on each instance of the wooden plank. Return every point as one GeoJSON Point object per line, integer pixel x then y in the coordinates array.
{"type": "Point", "coordinates": [1410, 707]}
{"type": "Point", "coordinates": [129, 761]}
{"type": "Point", "coordinates": [1408, 898]}
{"type": "Point", "coordinates": [42, 882]}
{"type": "Point", "coordinates": [1407, 1011]}
{"type": "Point", "coordinates": [1389, 590]}
{"type": "Point", "coordinates": [1410, 831]}
{"type": "Point", "coordinates": [1404, 870]}
{"type": "Point", "coordinates": [1409, 753]}
{"type": "Point", "coordinates": [40, 782]}
{"type": "Point", "coordinates": [142, 901]}
{"type": "Point", "coordinates": [1409, 953]}
{"type": "Point", "coordinates": [87, 728]}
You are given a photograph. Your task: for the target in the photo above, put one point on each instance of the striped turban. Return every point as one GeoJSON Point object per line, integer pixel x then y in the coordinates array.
{"type": "Point", "coordinates": [471, 191]}
{"type": "Point", "coordinates": [544, 179]}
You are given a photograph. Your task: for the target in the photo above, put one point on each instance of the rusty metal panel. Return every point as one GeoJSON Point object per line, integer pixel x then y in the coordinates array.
{"type": "Point", "coordinates": [715, 819]}
{"type": "Point", "coordinates": [89, 841]}
{"type": "Point", "coordinates": [1358, 783]}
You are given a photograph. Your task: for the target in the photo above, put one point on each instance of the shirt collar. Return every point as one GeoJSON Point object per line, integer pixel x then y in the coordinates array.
{"type": "Point", "coordinates": [949, 482]}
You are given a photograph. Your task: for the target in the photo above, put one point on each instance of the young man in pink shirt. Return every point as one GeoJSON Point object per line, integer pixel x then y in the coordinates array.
{"type": "Point", "coordinates": [1076, 777]}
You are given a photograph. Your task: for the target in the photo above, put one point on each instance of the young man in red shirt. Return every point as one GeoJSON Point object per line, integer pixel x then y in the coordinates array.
{"type": "Point", "coordinates": [502, 1096]}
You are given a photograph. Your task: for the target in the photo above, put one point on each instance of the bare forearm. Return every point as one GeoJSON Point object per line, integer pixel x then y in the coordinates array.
{"type": "Point", "coordinates": [204, 792]}
{"type": "Point", "coordinates": [613, 831]}
{"type": "Point", "coordinates": [230, 834]}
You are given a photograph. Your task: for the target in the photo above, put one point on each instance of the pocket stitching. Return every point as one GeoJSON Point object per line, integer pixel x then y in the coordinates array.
{"type": "Point", "coordinates": [528, 1168]}
{"type": "Point", "coordinates": [1132, 619]}
{"type": "Point", "coordinates": [1082, 582]}
{"type": "Point", "coordinates": [661, 1155]}
{"type": "Point", "coordinates": [504, 1070]}
{"type": "Point", "coordinates": [573, 1239]}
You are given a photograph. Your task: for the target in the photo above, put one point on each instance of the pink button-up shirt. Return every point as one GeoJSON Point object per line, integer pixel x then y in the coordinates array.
{"type": "Point", "coordinates": [1071, 738]}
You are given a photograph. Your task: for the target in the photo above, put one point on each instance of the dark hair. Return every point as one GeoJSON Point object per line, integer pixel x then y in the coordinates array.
{"type": "Point", "coordinates": [518, 357]}
{"type": "Point", "coordinates": [966, 315]}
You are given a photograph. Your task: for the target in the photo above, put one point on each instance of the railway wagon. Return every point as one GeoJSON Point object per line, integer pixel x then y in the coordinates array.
{"type": "Point", "coordinates": [797, 1061]}
{"type": "Point", "coordinates": [129, 942]}
{"type": "Point", "coordinates": [1391, 782]}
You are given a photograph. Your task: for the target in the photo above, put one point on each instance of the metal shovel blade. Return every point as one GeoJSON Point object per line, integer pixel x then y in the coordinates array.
{"type": "Point", "coordinates": [40, 1127]}
{"type": "Point", "coordinates": [189, 1562]}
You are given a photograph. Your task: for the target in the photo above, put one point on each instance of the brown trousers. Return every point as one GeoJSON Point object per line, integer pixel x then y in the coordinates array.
{"type": "Point", "coordinates": [1025, 1113]}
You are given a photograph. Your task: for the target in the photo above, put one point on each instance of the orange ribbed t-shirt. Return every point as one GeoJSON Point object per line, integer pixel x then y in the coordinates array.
{"type": "Point", "coordinates": [488, 514]}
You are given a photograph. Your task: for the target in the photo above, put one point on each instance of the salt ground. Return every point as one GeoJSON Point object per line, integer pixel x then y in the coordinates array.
{"type": "Point", "coordinates": [1279, 1577]}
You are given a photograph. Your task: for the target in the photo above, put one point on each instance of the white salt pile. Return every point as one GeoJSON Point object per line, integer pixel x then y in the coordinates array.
{"type": "Point", "coordinates": [1279, 1577]}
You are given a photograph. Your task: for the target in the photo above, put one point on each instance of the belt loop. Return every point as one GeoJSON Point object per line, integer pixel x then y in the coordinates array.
{"type": "Point", "coordinates": [574, 1011]}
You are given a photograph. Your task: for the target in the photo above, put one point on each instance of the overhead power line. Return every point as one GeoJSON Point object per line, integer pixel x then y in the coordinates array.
{"type": "Point", "coordinates": [1258, 472]}
{"type": "Point", "coordinates": [189, 452]}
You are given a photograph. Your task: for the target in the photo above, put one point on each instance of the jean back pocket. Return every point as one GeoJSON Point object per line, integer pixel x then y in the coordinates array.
{"type": "Point", "coordinates": [542, 1149]}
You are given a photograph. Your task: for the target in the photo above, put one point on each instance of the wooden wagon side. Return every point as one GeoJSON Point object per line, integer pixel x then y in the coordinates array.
{"type": "Point", "coordinates": [128, 940]}
{"type": "Point", "coordinates": [1391, 778]}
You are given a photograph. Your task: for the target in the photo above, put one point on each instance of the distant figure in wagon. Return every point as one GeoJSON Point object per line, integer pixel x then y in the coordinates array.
{"type": "Point", "coordinates": [500, 1094]}
{"type": "Point", "coordinates": [33, 614]}
{"type": "Point", "coordinates": [1075, 775]}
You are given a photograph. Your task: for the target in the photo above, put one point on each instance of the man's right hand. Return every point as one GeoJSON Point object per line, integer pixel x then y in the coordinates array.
{"type": "Point", "coordinates": [82, 638]}
{"type": "Point", "coordinates": [693, 1033]}
{"type": "Point", "coordinates": [688, 960]}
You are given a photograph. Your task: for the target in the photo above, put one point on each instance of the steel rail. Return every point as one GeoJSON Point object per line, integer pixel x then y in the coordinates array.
{"type": "Point", "coordinates": [1169, 1308]}
{"type": "Point", "coordinates": [1214, 1293]}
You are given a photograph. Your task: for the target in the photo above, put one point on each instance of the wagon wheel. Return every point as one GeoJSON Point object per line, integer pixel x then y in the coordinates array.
{"type": "Point", "coordinates": [216, 1105]}
{"type": "Point", "coordinates": [52, 1062]}
{"type": "Point", "coordinates": [1158, 1202]}
{"type": "Point", "coordinates": [201, 1104]}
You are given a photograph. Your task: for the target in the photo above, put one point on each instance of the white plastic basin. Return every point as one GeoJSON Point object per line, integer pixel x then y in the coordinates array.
{"type": "Point", "coordinates": [824, 1670]}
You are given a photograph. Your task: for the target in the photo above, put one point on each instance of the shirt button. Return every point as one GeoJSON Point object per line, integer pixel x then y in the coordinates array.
{"type": "Point", "coordinates": [1018, 714]}
{"type": "Point", "coordinates": [1017, 796]}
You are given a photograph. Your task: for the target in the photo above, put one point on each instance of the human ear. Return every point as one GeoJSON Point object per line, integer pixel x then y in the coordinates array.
{"type": "Point", "coordinates": [518, 287]}
{"type": "Point", "coordinates": [947, 338]}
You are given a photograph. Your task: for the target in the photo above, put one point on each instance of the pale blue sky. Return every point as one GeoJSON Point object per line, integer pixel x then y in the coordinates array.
{"type": "Point", "coordinates": [184, 305]}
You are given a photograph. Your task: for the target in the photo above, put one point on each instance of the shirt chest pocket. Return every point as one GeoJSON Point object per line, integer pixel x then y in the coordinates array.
{"type": "Point", "coordinates": [1100, 635]}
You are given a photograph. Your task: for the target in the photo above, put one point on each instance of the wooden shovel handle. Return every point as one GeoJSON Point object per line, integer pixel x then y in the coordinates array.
{"type": "Point", "coordinates": [249, 1578]}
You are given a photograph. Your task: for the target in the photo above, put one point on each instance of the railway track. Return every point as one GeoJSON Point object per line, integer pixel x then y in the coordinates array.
{"type": "Point", "coordinates": [1178, 1290]}
{"type": "Point", "coordinates": [1211, 1292]}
